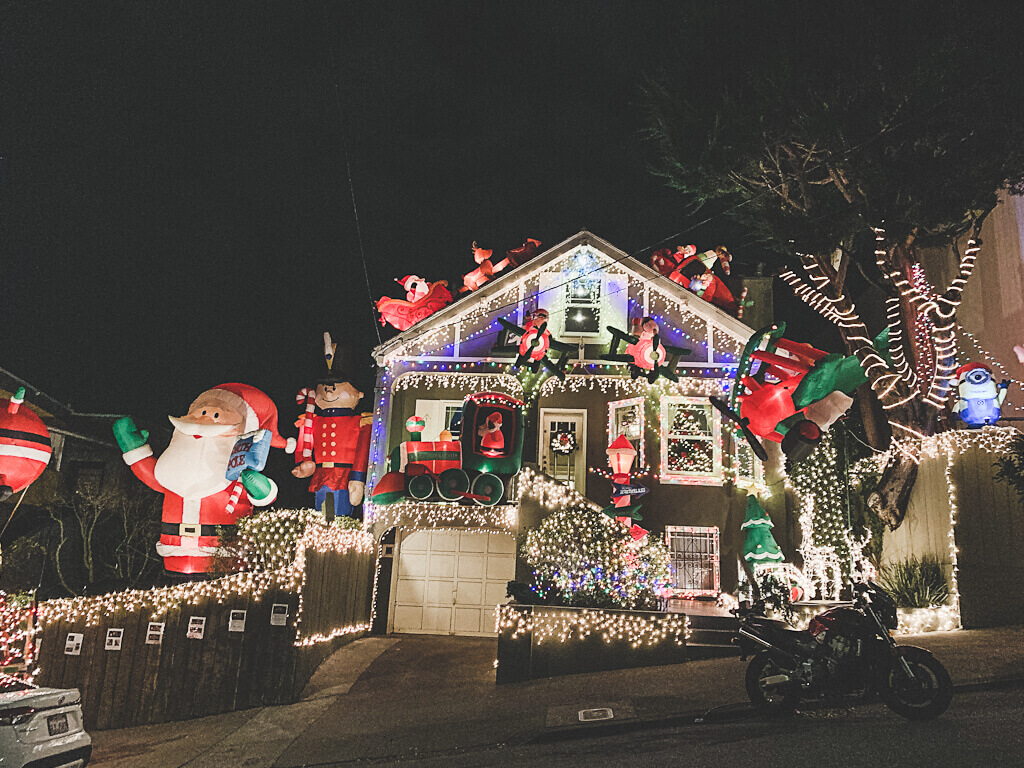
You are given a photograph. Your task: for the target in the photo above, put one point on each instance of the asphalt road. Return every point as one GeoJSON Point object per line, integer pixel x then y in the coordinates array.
{"type": "Point", "coordinates": [981, 728]}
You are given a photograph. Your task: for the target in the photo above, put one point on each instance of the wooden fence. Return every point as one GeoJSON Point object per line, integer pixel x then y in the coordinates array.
{"type": "Point", "coordinates": [161, 673]}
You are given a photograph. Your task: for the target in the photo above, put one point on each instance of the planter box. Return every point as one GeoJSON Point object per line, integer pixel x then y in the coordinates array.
{"type": "Point", "coordinates": [542, 641]}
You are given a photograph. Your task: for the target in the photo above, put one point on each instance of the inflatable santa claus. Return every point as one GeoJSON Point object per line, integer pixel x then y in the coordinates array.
{"type": "Point", "coordinates": [209, 474]}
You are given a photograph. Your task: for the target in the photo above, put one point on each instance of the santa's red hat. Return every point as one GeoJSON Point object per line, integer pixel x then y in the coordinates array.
{"type": "Point", "coordinates": [256, 408]}
{"type": "Point", "coordinates": [970, 367]}
{"type": "Point", "coordinates": [405, 279]}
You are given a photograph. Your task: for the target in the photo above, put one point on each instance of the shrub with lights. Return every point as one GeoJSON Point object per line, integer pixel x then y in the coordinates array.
{"type": "Point", "coordinates": [266, 541]}
{"type": "Point", "coordinates": [583, 558]}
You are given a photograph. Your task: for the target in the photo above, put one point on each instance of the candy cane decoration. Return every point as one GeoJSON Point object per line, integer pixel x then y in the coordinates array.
{"type": "Point", "coordinates": [305, 440]}
{"type": "Point", "coordinates": [236, 493]}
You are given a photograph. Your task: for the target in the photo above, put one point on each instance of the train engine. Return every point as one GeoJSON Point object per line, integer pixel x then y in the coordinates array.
{"type": "Point", "coordinates": [476, 468]}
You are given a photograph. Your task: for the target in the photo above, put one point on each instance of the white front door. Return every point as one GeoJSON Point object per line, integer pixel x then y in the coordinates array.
{"type": "Point", "coordinates": [571, 467]}
{"type": "Point", "coordinates": [448, 582]}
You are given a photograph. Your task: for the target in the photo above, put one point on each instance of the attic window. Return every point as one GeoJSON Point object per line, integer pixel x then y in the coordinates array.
{"type": "Point", "coordinates": [582, 276]}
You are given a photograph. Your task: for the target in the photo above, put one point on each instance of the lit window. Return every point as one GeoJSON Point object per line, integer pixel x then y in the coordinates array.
{"type": "Point", "coordinates": [626, 417]}
{"type": "Point", "coordinates": [690, 441]}
{"type": "Point", "coordinates": [748, 468]}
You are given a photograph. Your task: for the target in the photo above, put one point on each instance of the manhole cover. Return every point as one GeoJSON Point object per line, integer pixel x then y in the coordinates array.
{"type": "Point", "coordinates": [600, 713]}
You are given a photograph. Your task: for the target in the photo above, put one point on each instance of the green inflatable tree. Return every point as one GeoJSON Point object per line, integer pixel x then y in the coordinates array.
{"type": "Point", "coordinates": [760, 546]}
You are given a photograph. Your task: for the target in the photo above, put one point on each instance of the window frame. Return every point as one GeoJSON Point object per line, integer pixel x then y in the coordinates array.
{"type": "Point", "coordinates": [612, 433]}
{"type": "Point", "coordinates": [745, 481]}
{"type": "Point", "coordinates": [714, 535]}
{"type": "Point", "coordinates": [717, 475]}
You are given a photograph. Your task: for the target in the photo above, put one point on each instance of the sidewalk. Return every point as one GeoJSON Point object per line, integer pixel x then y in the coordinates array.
{"type": "Point", "coordinates": [414, 695]}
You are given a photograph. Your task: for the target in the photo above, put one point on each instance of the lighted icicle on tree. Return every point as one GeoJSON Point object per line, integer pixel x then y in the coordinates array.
{"type": "Point", "coordinates": [583, 558]}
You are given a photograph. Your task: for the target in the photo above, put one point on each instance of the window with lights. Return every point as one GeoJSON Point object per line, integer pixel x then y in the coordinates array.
{"type": "Point", "coordinates": [626, 417]}
{"type": "Point", "coordinates": [691, 437]}
{"type": "Point", "coordinates": [747, 467]}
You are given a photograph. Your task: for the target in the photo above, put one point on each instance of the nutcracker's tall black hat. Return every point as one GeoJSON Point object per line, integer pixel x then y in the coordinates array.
{"type": "Point", "coordinates": [335, 370]}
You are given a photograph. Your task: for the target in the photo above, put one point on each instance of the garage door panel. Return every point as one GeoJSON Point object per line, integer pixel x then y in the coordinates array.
{"type": "Point", "coordinates": [416, 542]}
{"type": "Point", "coordinates": [438, 592]}
{"type": "Point", "coordinates": [467, 620]}
{"type": "Point", "coordinates": [411, 592]}
{"type": "Point", "coordinates": [473, 542]}
{"type": "Point", "coordinates": [495, 593]}
{"type": "Point", "coordinates": [408, 617]}
{"type": "Point", "coordinates": [437, 619]}
{"type": "Point", "coordinates": [471, 566]}
{"type": "Point", "coordinates": [444, 541]}
{"type": "Point", "coordinates": [501, 545]}
{"type": "Point", "coordinates": [501, 567]}
{"type": "Point", "coordinates": [413, 565]}
{"type": "Point", "coordinates": [469, 593]}
{"type": "Point", "coordinates": [441, 566]}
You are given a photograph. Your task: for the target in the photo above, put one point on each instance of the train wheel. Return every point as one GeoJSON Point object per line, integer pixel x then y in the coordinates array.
{"type": "Point", "coordinates": [421, 487]}
{"type": "Point", "coordinates": [489, 486]}
{"type": "Point", "coordinates": [452, 484]}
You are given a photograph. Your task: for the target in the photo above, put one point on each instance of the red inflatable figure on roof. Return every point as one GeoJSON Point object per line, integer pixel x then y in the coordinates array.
{"type": "Point", "coordinates": [24, 446]}
{"type": "Point", "coordinates": [422, 299]}
{"type": "Point", "coordinates": [697, 273]}
{"type": "Point", "coordinates": [484, 272]}
{"type": "Point", "coordinates": [523, 253]}
{"type": "Point", "coordinates": [532, 344]}
{"type": "Point", "coordinates": [415, 287]}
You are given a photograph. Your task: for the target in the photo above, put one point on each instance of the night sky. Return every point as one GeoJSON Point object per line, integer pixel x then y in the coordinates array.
{"type": "Point", "coordinates": [176, 209]}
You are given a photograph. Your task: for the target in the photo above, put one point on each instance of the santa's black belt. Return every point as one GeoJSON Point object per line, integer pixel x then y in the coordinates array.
{"type": "Point", "coordinates": [335, 465]}
{"type": "Point", "coordinates": [194, 529]}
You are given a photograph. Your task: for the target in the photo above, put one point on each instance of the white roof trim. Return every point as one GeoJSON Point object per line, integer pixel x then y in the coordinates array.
{"type": "Point", "coordinates": [715, 316]}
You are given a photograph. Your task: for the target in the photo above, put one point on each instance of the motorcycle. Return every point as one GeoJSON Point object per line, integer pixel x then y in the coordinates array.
{"type": "Point", "coordinates": [845, 652]}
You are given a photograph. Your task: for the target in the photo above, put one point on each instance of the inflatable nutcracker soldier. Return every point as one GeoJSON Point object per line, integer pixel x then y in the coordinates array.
{"type": "Point", "coordinates": [334, 439]}
{"type": "Point", "coordinates": [215, 453]}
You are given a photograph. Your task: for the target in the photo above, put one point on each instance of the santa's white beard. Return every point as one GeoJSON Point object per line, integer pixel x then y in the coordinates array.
{"type": "Point", "coordinates": [194, 468]}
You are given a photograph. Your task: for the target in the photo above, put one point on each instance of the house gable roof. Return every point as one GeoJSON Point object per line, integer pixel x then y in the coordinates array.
{"type": "Point", "coordinates": [468, 304]}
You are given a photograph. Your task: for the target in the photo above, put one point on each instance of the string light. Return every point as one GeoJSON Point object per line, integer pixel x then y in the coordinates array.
{"type": "Point", "coordinates": [267, 539]}
{"type": "Point", "coordinates": [546, 624]}
{"type": "Point", "coordinates": [585, 557]}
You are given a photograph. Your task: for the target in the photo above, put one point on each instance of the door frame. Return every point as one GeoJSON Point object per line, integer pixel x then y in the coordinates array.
{"type": "Point", "coordinates": [581, 465]}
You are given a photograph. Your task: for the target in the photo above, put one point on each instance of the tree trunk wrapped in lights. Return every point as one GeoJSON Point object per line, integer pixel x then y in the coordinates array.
{"type": "Point", "coordinates": [914, 383]}
{"type": "Point", "coordinates": [913, 127]}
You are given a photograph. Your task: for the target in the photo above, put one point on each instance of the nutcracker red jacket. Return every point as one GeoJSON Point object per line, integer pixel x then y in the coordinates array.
{"type": "Point", "coordinates": [338, 439]}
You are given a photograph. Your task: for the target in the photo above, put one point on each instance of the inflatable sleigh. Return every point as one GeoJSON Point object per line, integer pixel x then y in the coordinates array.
{"type": "Point", "coordinates": [403, 314]}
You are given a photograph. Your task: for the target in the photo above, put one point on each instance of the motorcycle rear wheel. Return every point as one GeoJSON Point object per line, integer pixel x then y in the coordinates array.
{"type": "Point", "coordinates": [770, 699]}
{"type": "Point", "coordinates": [926, 696]}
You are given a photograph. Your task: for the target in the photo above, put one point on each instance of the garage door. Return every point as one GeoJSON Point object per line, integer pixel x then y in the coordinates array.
{"type": "Point", "coordinates": [448, 582]}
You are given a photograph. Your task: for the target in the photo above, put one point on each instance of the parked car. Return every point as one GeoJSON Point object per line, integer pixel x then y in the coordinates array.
{"type": "Point", "coordinates": [41, 727]}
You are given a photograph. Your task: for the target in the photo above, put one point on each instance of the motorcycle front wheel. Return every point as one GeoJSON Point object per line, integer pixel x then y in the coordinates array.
{"type": "Point", "coordinates": [770, 694]}
{"type": "Point", "coordinates": [923, 696]}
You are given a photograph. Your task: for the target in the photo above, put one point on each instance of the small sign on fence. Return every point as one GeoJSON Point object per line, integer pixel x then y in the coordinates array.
{"type": "Point", "coordinates": [279, 614]}
{"type": "Point", "coordinates": [73, 645]}
{"type": "Point", "coordinates": [114, 637]}
{"type": "Point", "coordinates": [155, 633]}
{"type": "Point", "coordinates": [237, 621]}
{"type": "Point", "coordinates": [196, 627]}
